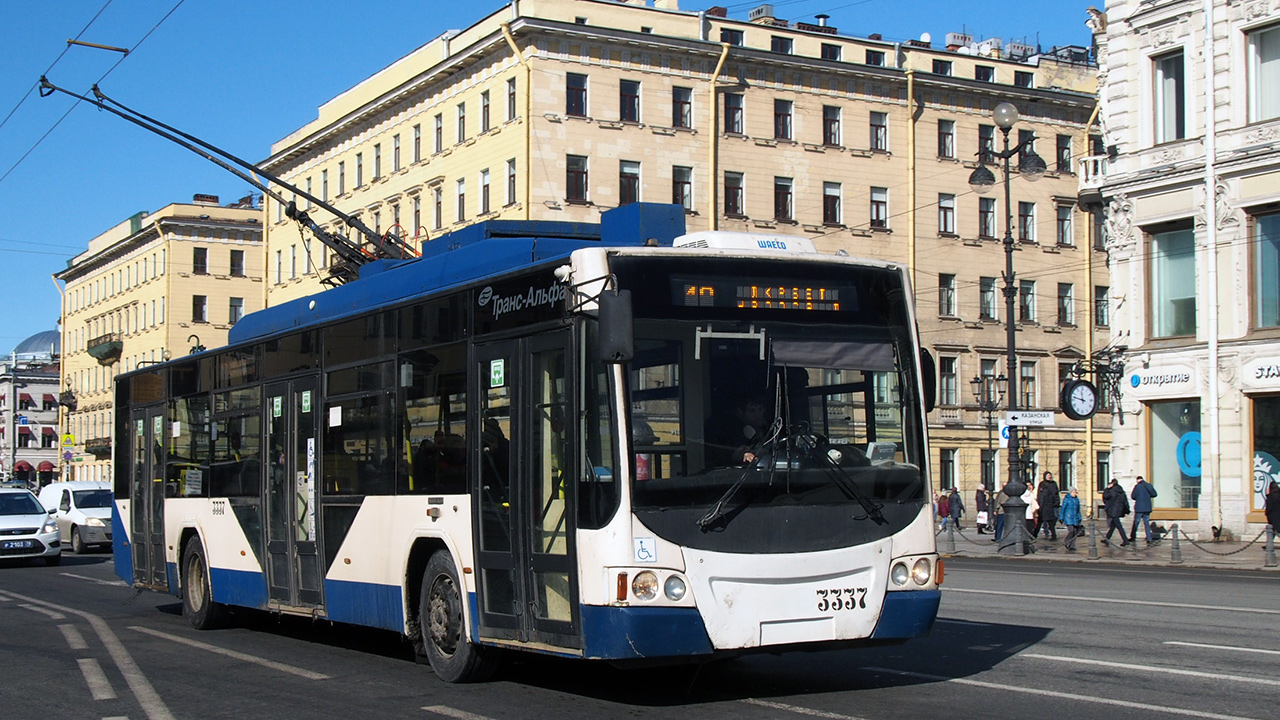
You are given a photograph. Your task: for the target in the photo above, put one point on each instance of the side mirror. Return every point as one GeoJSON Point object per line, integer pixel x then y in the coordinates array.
{"type": "Point", "coordinates": [617, 339]}
{"type": "Point", "coordinates": [929, 380]}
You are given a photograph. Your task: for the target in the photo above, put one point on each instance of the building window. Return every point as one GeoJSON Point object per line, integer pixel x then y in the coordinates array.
{"type": "Point", "coordinates": [1097, 230]}
{"type": "Point", "coordinates": [987, 218]}
{"type": "Point", "coordinates": [511, 182]}
{"type": "Point", "coordinates": [875, 57]}
{"type": "Point", "coordinates": [417, 143]}
{"type": "Point", "coordinates": [880, 131]}
{"type": "Point", "coordinates": [831, 125]}
{"type": "Point", "coordinates": [576, 179]}
{"type": "Point", "coordinates": [682, 107]}
{"type": "Point", "coordinates": [199, 308]}
{"type": "Point", "coordinates": [359, 169]}
{"type": "Point", "coordinates": [235, 310]}
{"type": "Point", "coordinates": [377, 161]}
{"type": "Point", "coordinates": [782, 119]}
{"type": "Point", "coordinates": [1266, 274]}
{"type": "Point", "coordinates": [1027, 222]}
{"type": "Point", "coordinates": [1066, 469]}
{"type": "Point", "coordinates": [279, 266]}
{"type": "Point", "coordinates": [575, 95]}
{"type": "Point", "coordinates": [237, 263]}
{"type": "Point", "coordinates": [733, 194]}
{"type": "Point", "coordinates": [462, 200]}
{"type": "Point", "coordinates": [1173, 284]}
{"type": "Point", "coordinates": [1027, 301]}
{"type": "Point", "coordinates": [830, 51]}
{"type": "Point", "coordinates": [484, 111]}
{"type": "Point", "coordinates": [417, 216]}
{"type": "Point", "coordinates": [1066, 304]}
{"type": "Point", "coordinates": [200, 261]}
{"type": "Point", "coordinates": [947, 139]}
{"type": "Point", "coordinates": [682, 187]}
{"type": "Point", "coordinates": [732, 37]}
{"type": "Point", "coordinates": [1024, 78]}
{"type": "Point", "coordinates": [1101, 305]}
{"type": "Point", "coordinates": [1266, 444]}
{"type": "Point", "coordinates": [1173, 424]}
{"type": "Point", "coordinates": [439, 134]}
{"type": "Point", "coordinates": [395, 153]}
{"type": "Point", "coordinates": [1170, 98]}
{"type": "Point", "coordinates": [733, 113]}
{"type": "Point", "coordinates": [462, 122]}
{"type": "Point", "coordinates": [324, 185]}
{"type": "Point", "coordinates": [511, 99]}
{"type": "Point", "coordinates": [1063, 225]}
{"type": "Point", "coordinates": [342, 178]}
{"type": "Point", "coordinates": [987, 143]}
{"type": "Point", "coordinates": [1027, 383]}
{"type": "Point", "coordinates": [437, 197]}
{"type": "Point", "coordinates": [987, 307]}
{"type": "Point", "coordinates": [988, 469]}
{"type": "Point", "coordinates": [782, 209]}
{"type": "Point", "coordinates": [484, 191]}
{"type": "Point", "coordinates": [629, 101]}
{"type": "Point", "coordinates": [1026, 144]}
{"type": "Point", "coordinates": [1102, 470]}
{"type": "Point", "coordinates": [780, 44]}
{"type": "Point", "coordinates": [1264, 74]}
{"type": "Point", "coordinates": [946, 468]}
{"type": "Point", "coordinates": [946, 214]}
{"type": "Point", "coordinates": [984, 73]}
{"type": "Point", "coordinates": [628, 182]}
{"type": "Point", "coordinates": [947, 394]}
{"type": "Point", "coordinates": [879, 207]}
{"type": "Point", "coordinates": [947, 295]}
{"type": "Point", "coordinates": [831, 204]}
{"type": "Point", "coordinates": [293, 251]}
{"type": "Point", "coordinates": [1064, 154]}
{"type": "Point", "coordinates": [941, 67]}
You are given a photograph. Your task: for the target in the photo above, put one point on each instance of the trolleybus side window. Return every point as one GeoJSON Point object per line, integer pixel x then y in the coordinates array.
{"type": "Point", "coordinates": [292, 353]}
{"type": "Point", "coordinates": [359, 340]}
{"type": "Point", "coordinates": [598, 493]}
{"type": "Point", "coordinates": [238, 367]}
{"type": "Point", "coordinates": [656, 427]}
{"type": "Point", "coordinates": [432, 420]}
{"type": "Point", "coordinates": [359, 448]}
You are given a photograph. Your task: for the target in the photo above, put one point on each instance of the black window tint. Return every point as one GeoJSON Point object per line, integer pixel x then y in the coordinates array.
{"type": "Point", "coordinates": [433, 417]}
{"type": "Point", "coordinates": [291, 353]}
{"type": "Point", "coordinates": [364, 338]}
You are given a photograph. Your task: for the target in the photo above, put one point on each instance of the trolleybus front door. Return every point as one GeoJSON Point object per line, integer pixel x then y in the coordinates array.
{"type": "Point", "coordinates": [293, 566]}
{"type": "Point", "coordinates": [147, 494]}
{"type": "Point", "coordinates": [526, 558]}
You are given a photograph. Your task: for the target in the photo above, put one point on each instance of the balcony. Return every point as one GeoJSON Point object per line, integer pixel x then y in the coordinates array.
{"type": "Point", "coordinates": [1093, 173]}
{"type": "Point", "coordinates": [100, 448]}
{"type": "Point", "coordinates": [105, 348]}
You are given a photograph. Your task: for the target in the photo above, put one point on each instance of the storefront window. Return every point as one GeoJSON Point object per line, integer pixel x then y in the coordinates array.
{"type": "Point", "coordinates": [1266, 447]}
{"type": "Point", "coordinates": [1175, 453]}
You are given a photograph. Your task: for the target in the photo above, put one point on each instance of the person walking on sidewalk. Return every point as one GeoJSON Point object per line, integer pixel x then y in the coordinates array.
{"type": "Point", "coordinates": [956, 507]}
{"type": "Point", "coordinates": [1071, 518]}
{"type": "Point", "coordinates": [944, 511]}
{"type": "Point", "coordinates": [1117, 506]}
{"type": "Point", "coordinates": [1142, 493]}
{"type": "Point", "coordinates": [1001, 499]}
{"type": "Point", "coordinates": [1049, 499]}
{"type": "Point", "coordinates": [1272, 506]}
{"type": "Point", "coordinates": [980, 507]}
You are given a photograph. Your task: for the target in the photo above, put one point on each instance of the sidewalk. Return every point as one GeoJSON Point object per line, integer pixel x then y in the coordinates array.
{"type": "Point", "coordinates": [1221, 555]}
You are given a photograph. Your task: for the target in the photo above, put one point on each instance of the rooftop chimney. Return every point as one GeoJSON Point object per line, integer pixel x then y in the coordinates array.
{"type": "Point", "coordinates": [203, 199]}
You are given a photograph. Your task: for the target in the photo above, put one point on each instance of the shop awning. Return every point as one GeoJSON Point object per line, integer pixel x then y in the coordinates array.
{"type": "Point", "coordinates": [45, 466]}
{"type": "Point", "coordinates": [49, 398]}
{"type": "Point", "coordinates": [22, 466]}
{"type": "Point", "coordinates": [24, 430]}
{"type": "Point", "coordinates": [46, 430]}
{"type": "Point", "coordinates": [25, 397]}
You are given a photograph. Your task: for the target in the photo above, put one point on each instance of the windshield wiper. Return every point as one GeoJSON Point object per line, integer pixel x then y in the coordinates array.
{"type": "Point", "coordinates": [717, 512]}
{"type": "Point", "coordinates": [847, 484]}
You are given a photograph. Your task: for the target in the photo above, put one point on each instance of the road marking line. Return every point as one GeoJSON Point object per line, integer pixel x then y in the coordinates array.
{"type": "Point", "coordinates": [1156, 709]}
{"type": "Point", "coordinates": [447, 711]}
{"type": "Point", "coordinates": [74, 639]}
{"type": "Point", "coordinates": [1223, 647]}
{"type": "Point", "coordinates": [1004, 572]}
{"type": "Point", "coordinates": [963, 622]}
{"type": "Point", "coordinates": [52, 615]}
{"type": "Point", "coordinates": [99, 685]}
{"type": "Point", "coordinates": [1117, 601]}
{"type": "Point", "coordinates": [800, 710]}
{"type": "Point", "coordinates": [117, 583]}
{"type": "Point", "coordinates": [300, 672]}
{"type": "Point", "coordinates": [1148, 668]}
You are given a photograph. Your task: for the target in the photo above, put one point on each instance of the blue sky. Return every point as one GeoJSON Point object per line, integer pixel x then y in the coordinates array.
{"type": "Point", "coordinates": [242, 75]}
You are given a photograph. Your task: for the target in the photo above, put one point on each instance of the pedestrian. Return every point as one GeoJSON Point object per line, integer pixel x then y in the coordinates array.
{"type": "Point", "coordinates": [1033, 507]}
{"type": "Point", "coordinates": [955, 506]}
{"type": "Point", "coordinates": [944, 510]}
{"type": "Point", "coordinates": [1142, 493]}
{"type": "Point", "coordinates": [1117, 506]}
{"type": "Point", "coordinates": [1049, 499]}
{"type": "Point", "coordinates": [981, 517]}
{"type": "Point", "coordinates": [1071, 519]}
{"type": "Point", "coordinates": [1001, 499]}
{"type": "Point", "coordinates": [1272, 506]}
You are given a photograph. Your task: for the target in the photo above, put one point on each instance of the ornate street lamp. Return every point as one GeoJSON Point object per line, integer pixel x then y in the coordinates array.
{"type": "Point", "coordinates": [1032, 167]}
{"type": "Point", "coordinates": [988, 392]}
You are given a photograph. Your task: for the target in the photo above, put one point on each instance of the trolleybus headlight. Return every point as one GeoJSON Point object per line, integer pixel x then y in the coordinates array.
{"type": "Point", "coordinates": [921, 571]}
{"type": "Point", "coordinates": [674, 588]}
{"type": "Point", "coordinates": [900, 574]}
{"type": "Point", "coordinates": [645, 585]}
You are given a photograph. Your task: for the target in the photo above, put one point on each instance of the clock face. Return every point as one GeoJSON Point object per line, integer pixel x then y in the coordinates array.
{"type": "Point", "coordinates": [1079, 399]}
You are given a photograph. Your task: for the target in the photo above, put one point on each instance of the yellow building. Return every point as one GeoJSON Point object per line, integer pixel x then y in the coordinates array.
{"type": "Point", "coordinates": [561, 109]}
{"type": "Point", "coordinates": [151, 288]}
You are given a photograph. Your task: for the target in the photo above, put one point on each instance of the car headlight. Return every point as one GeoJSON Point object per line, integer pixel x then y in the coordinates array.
{"type": "Point", "coordinates": [921, 571]}
{"type": "Point", "coordinates": [674, 588]}
{"type": "Point", "coordinates": [94, 522]}
{"type": "Point", "coordinates": [899, 575]}
{"type": "Point", "coordinates": [645, 585]}
{"type": "Point", "coordinates": [50, 526]}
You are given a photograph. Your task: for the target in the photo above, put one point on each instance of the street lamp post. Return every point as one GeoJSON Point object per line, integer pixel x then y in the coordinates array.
{"type": "Point", "coordinates": [988, 392]}
{"type": "Point", "coordinates": [1031, 166]}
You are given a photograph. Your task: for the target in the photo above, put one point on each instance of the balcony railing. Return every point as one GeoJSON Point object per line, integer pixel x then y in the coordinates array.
{"type": "Point", "coordinates": [105, 348]}
{"type": "Point", "coordinates": [98, 447]}
{"type": "Point", "coordinates": [1093, 173]}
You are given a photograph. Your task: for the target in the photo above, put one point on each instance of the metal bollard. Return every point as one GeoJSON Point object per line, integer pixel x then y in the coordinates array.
{"type": "Point", "coordinates": [1270, 560]}
{"type": "Point", "coordinates": [950, 546]}
{"type": "Point", "coordinates": [1093, 539]}
{"type": "Point", "coordinates": [1175, 552]}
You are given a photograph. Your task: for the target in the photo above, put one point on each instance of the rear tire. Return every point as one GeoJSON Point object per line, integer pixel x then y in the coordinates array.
{"type": "Point", "coordinates": [197, 595]}
{"type": "Point", "coordinates": [452, 655]}
{"type": "Point", "coordinates": [77, 542]}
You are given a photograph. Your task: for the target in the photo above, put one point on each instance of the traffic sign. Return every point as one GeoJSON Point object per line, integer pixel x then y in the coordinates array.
{"type": "Point", "coordinates": [1038, 418]}
{"type": "Point", "coordinates": [68, 440]}
{"type": "Point", "coordinates": [66, 456]}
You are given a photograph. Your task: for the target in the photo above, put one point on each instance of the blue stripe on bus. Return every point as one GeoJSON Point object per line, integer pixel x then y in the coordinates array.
{"type": "Point", "coordinates": [237, 587]}
{"type": "Point", "coordinates": [907, 614]}
{"type": "Point", "coordinates": [619, 633]}
{"type": "Point", "coordinates": [364, 604]}
{"type": "Point", "coordinates": [120, 550]}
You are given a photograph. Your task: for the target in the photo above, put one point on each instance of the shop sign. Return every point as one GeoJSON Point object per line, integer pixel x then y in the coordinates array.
{"type": "Point", "coordinates": [1261, 374]}
{"type": "Point", "coordinates": [1162, 382]}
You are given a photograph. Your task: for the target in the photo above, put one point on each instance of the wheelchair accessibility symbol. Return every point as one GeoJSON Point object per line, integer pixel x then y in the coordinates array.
{"type": "Point", "coordinates": [646, 550]}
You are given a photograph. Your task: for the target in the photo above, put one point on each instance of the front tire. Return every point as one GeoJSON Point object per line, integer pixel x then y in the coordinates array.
{"type": "Point", "coordinates": [453, 657]}
{"type": "Point", "coordinates": [197, 596]}
{"type": "Point", "coordinates": [77, 542]}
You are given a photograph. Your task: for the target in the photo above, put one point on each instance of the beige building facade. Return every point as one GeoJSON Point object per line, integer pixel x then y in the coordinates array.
{"type": "Point", "coordinates": [152, 288]}
{"type": "Point", "coordinates": [1191, 110]}
{"type": "Point", "coordinates": [561, 109]}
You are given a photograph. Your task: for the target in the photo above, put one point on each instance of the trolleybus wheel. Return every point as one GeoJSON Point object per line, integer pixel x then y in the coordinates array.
{"type": "Point", "coordinates": [197, 597]}
{"type": "Point", "coordinates": [452, 655]}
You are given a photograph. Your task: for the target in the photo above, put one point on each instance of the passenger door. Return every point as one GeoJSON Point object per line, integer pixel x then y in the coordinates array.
{"type": "Point", "coordinates": [294, 575]}
{"type": "Point", "coordinates": [146, 531]}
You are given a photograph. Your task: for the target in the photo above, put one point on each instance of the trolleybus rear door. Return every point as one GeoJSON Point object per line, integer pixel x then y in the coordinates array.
{"type": "Point", "coordinates": [293, 566]}
{"type": "Point", "coordinates": [526, 558]}
{"type": "Point", "coordinates": [147, 494]}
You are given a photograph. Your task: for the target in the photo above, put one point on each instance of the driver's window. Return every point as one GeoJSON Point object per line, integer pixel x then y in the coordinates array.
{"type": "Point", "coordinates": [65, 505]}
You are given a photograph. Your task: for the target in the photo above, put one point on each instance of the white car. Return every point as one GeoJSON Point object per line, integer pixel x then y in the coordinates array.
{"type": "Point", "coordinates": [26, 530]}
{"type": "Point", "coordinates": [82, 509]}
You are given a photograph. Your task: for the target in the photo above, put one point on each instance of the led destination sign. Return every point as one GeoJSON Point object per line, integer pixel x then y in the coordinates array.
{"type": "Point", "coordinates": [761, 294]}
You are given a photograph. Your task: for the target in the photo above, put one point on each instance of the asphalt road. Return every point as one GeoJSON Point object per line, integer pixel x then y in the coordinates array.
{"type": "Point", "coordinates": [1041, 640]}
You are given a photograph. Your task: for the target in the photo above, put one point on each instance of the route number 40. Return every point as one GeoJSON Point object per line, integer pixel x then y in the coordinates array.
{"type": "Point", "coordinates": [837, 599]}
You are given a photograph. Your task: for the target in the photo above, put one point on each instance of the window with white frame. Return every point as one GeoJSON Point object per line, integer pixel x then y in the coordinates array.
{"type": "Point", "coordinates": [1266, 269]}
{"type": "Point", "coordinates": [831, 213]}
{"type": "Point", "coordinates": [511, 181]}
{"type": "Point", "coordinates": [1027, 383]}
{"type": "Point", "coordinates": [629, 101]}
{"type": "Point", "coordinates": [946, 214]}
{"type": "Point", "coordinates": [461, 207]}
{"type": "Point", "coordinates": [987, 218]}
{"type": "Point", "coordinates": [947, 295]}
{"type": "Point", "coordinates": [1101, 305]}
{"type": "Point", "coordinates": [782, 119]}
{"type": "Point", "coordinates": [628, 182]}
{"type": "Point", "coordinates": [462, 122]}
{"type": "Point", "coordinates": [682, 187]}
{"type": "Point", "coordinates": [947, 139]}
{"type": "Point", "coordinates": [681, 107]}
{"type": "Point", "coordinates": [1027, 301]}
{"type": "Point", "coordinates": [484, 191]}
{"type": "Point", "coordinates": [831, 125]}
{"type": "Point", "coordinates": [1027, 222]}
{"type": "Point", "coordinates": [782, 200]}
{"type": "Point", "coordinates": [987, 307]}
{"type": "Point", "coordinates": [733, 195]}
{"type": "Point", "coordinates": [733, 113]}
{"type": "Point", "coordinates": [1063, 225]}
{"type": "Point", "coordinates": [880, 207]}
{"type": "Point", "coordinates": [947, 393]}
{"type": "Point", "coordinates": [1170, 97]}
{"type": "Point", "coordinates": [511, 99]}
{"type": "Point", "coordinates": [946, 468]}
{"type": "Point", "coordinates": [880, 131]}
{"type": "Point", "coordinates": [1173, 283]}
{"type": "Point", "coordinates": [1066, 304]}
{"type": "Point", "coordinates": [1264, 73]}
{"type": "Point", "coordinates": [576, 178]}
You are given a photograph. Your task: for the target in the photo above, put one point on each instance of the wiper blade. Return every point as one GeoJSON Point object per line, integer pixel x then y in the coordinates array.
{"type": "Point", "coordinates": [847, 484]}
{"type": "Point", "coordinates": [717, 512]}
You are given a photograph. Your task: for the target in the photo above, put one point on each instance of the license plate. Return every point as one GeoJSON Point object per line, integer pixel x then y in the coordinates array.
{"type": "Point", "coordinates": [17, 544]}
